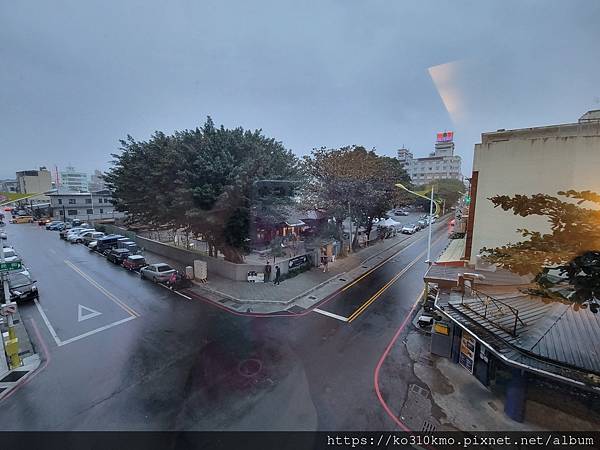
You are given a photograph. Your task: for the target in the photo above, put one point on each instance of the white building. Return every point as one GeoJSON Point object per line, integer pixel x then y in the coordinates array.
{"type": "Point", "coordinates": [442, 163]}
{"type": "Point", "coordinates": [529, 161]}
{"type": "Point", "coordinates": [74, 181]}
{"type": "Point", "coordinates": [67, 205]}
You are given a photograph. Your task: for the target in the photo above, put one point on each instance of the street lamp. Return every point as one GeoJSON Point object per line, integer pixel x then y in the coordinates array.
{"type": "Point", "coordinates": [437, 206]}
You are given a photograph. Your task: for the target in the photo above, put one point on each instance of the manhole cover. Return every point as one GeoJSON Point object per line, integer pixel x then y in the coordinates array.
{"type": "Point", "coordinates": [419, 390]}
{"type": "Point", "coordinates": [249, 367]}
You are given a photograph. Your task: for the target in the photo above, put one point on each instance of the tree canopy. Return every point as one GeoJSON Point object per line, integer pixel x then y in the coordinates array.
{"type": "Point", "coordinates": [201, 179]}
{"type": "Point", "coordinates": [352, 181]}
{"type": "Point", "coordinates": [448, 189]}
{"type": "Point", "coordinates": [565, 261]}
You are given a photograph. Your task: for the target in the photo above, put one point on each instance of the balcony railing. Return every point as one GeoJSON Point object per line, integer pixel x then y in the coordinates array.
{"type": "Point", "coordinates": [492, 309]}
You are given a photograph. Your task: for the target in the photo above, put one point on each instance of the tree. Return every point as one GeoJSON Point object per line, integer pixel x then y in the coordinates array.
{"type": "Point", "coordinates": [201, 180]}
{"type": "Point", "coordinates": [565, 261]}
{"type": "Point", "coordinates": [352, 181]}
{"type": "Point", "coordinates": [448, 189]}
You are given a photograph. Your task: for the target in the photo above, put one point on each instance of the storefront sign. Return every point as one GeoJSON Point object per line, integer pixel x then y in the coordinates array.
{"type": "Point", "coordinates": [441, 328]}
{"type": "Point", "coordinates": [297, 262]}
{"type": "Point", "coordinates": [467, 351]}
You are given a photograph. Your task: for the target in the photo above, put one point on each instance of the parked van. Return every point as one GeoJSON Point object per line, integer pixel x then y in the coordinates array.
{"type": "Point", "coordinates": [107, 243]}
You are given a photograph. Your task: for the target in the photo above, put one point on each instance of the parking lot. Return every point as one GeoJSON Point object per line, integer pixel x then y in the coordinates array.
{"type": "Point", "coordinates": [92, 295]}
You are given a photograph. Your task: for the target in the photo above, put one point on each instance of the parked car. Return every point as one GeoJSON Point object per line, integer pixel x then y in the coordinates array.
{"type": "Point", "coordinates": [117, 255]}
{"type": "Point", "coordinates": [92, 236]}
{"type": "Point", "coordinates": [10, 255]}
{"type": "Point", "coordinates": [77, 236]}
{"type": "Point", "coordinates": [92, 245]}
{"type": "Point", "coordinates": [22, 287]}
{"type": "Point", "coordinates": [3, 235]}
{"type": "Point", "coordinates": [52, 222]}
{"type": "Point", "coordinates": [160, 272]}
{"type": "Point", "coordinates": [55, 226]}
{"type": "Point", "coordinates": [410, 228]}
{"type": "Point", "coordinates": [64, 233]}
{"type": "Point", "coordinates": [422, 223]}
{"type": "Point", "coordinates": [134, 262]}
{"type": "Point", "coordinates": [43, 221]}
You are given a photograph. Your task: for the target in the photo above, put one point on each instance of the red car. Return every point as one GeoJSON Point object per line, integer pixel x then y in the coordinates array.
{"type": "Point", "coordinates": [134, 262]}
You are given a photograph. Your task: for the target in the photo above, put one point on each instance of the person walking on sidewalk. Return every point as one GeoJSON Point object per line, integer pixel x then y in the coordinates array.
{"type": "Point", "coordinates": [325, 261]}
{"type": "Point", "coordinates": [267, 272]}
{"type": "Point", "coordinates": [277, 275]}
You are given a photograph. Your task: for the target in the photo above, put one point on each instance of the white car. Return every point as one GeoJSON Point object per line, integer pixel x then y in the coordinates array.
{"type": "Point", "coordinates": [160, 272]}
{"type": "Point", "coordinates": [3, 235]}
{"type": "Point", "coordinates": [410, 228]}
{"type": "Point", "coordinates": [77, 237]}
{"type": "Point", "coordinates": [10, 255]}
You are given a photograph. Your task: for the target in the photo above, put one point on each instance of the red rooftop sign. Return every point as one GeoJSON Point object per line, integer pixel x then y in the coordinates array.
{"type": "Point", "coordinates": [445, 136]}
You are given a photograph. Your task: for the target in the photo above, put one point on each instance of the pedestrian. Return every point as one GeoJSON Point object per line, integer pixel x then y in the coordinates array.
{"type": "Point", "coordinates": [268, 272]}
{"type": "Point", "coordinates": [325, 264]}
{"type": "Point", "coordinates": [277, 275]}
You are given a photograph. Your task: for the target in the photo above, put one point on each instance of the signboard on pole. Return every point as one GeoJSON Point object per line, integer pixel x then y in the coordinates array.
{"type": "Point", "coordinates": [467, 351]}
{"type": "Point", "coordinates": [8, 266]}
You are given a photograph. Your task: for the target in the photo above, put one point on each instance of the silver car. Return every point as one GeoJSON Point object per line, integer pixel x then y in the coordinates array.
{"type": "Point", "coordinates": [159, 272]}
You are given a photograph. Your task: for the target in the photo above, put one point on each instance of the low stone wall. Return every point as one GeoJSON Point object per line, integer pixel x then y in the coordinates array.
{"type": "Point", "coordinates": [225, 269]}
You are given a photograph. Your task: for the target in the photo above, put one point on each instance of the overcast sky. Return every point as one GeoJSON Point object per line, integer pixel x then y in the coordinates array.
{"type": "Point", "coordinates": [77, 76]}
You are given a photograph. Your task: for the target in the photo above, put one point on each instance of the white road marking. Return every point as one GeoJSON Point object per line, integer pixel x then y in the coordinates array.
{"type": "Point", "coordinates": [81, 315]}
{"type": "Point", "coordinates": [97, 330]}
{"type": "Point", "coordinates": [327, 313]}
{"type": "Point", "coordinates": [47, 322]}
{"type": "Point", "coordinates": [174, 291]}
{"type": "Point", "coordinates": [94, 283]}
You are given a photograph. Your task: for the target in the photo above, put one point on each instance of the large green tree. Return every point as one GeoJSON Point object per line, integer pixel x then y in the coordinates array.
{"type": "Point", "coordinates": [566, 260]}
{"type": "Point", "coordinates": [352, 181]}
{"type": "Point", "coordinates": [201, 179]}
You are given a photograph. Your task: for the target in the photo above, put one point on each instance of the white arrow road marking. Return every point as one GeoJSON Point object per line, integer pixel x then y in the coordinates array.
{"type": "Point", "coordinates": [81, 315]}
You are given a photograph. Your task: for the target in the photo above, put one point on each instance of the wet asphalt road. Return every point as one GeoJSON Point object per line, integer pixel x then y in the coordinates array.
{"type": "Point", "coordinates": [124, 354]}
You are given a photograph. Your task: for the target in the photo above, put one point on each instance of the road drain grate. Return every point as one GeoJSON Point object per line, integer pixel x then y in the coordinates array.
{"type": "Point", "coordinates": [428, 427]}
{"type": "Point", "coordinates": [365, 267]}
{"type": "Point", "coordinates": [14, 376]}
{"type": "Point", "coordinates": [343, 279]}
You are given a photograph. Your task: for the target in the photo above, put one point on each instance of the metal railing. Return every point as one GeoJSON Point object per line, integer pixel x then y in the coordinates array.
{"type": "Point", "coordinates": [493, 308]}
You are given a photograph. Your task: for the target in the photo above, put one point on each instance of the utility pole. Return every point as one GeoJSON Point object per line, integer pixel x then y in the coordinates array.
{"type": "Point", "coordinates": [430, 221]}
{"type": "Point", "coordinates": [350, 218]}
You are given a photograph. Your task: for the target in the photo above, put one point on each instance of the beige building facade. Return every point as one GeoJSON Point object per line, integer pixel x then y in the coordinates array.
{"type": "Point", "coordinates": [528, 161]}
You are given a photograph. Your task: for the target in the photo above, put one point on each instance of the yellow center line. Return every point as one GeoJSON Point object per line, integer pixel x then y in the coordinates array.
{"type": "Point", "coordinates": [108, 294]}
{"type": "Point", "coordinates": [348, 286]}
{"type": "Point", "coordinates": [375, 296]}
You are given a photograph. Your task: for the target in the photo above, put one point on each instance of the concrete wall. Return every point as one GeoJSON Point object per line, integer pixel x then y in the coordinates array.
{"type": "Point", "coordinates": [530, 161]}
{"type": "Point", "coordinates": [225, 269]}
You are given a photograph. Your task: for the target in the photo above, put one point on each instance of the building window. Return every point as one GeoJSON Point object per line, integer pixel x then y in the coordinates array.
{"type": "Point", "coordinates": [72, 212]}
{"type": "Point", "coordinates": [105, 200]}
{"type": "Point", "coordinates": [101, 211]}
{"type": "Point", "coordinates": [90, 211]}
{"type": "Point", "coordinates": [100, 200]}
{"type": "Point", "coordinates": [61, 212]}
{"type": "Point", "coordinates": [88, 201]}
{"type": "Point", "coordinates": [72, 201]}
{"type": "Point", "coordinates": [60, 201]}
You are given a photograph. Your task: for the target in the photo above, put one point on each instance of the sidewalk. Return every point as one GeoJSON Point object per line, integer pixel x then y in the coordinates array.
{"type": "Point", "coordinates": [431, 393]}
{"type": "Point", "coordinates": [307, 289]}
{"type": "Point", "coordinates": [9, 379]}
